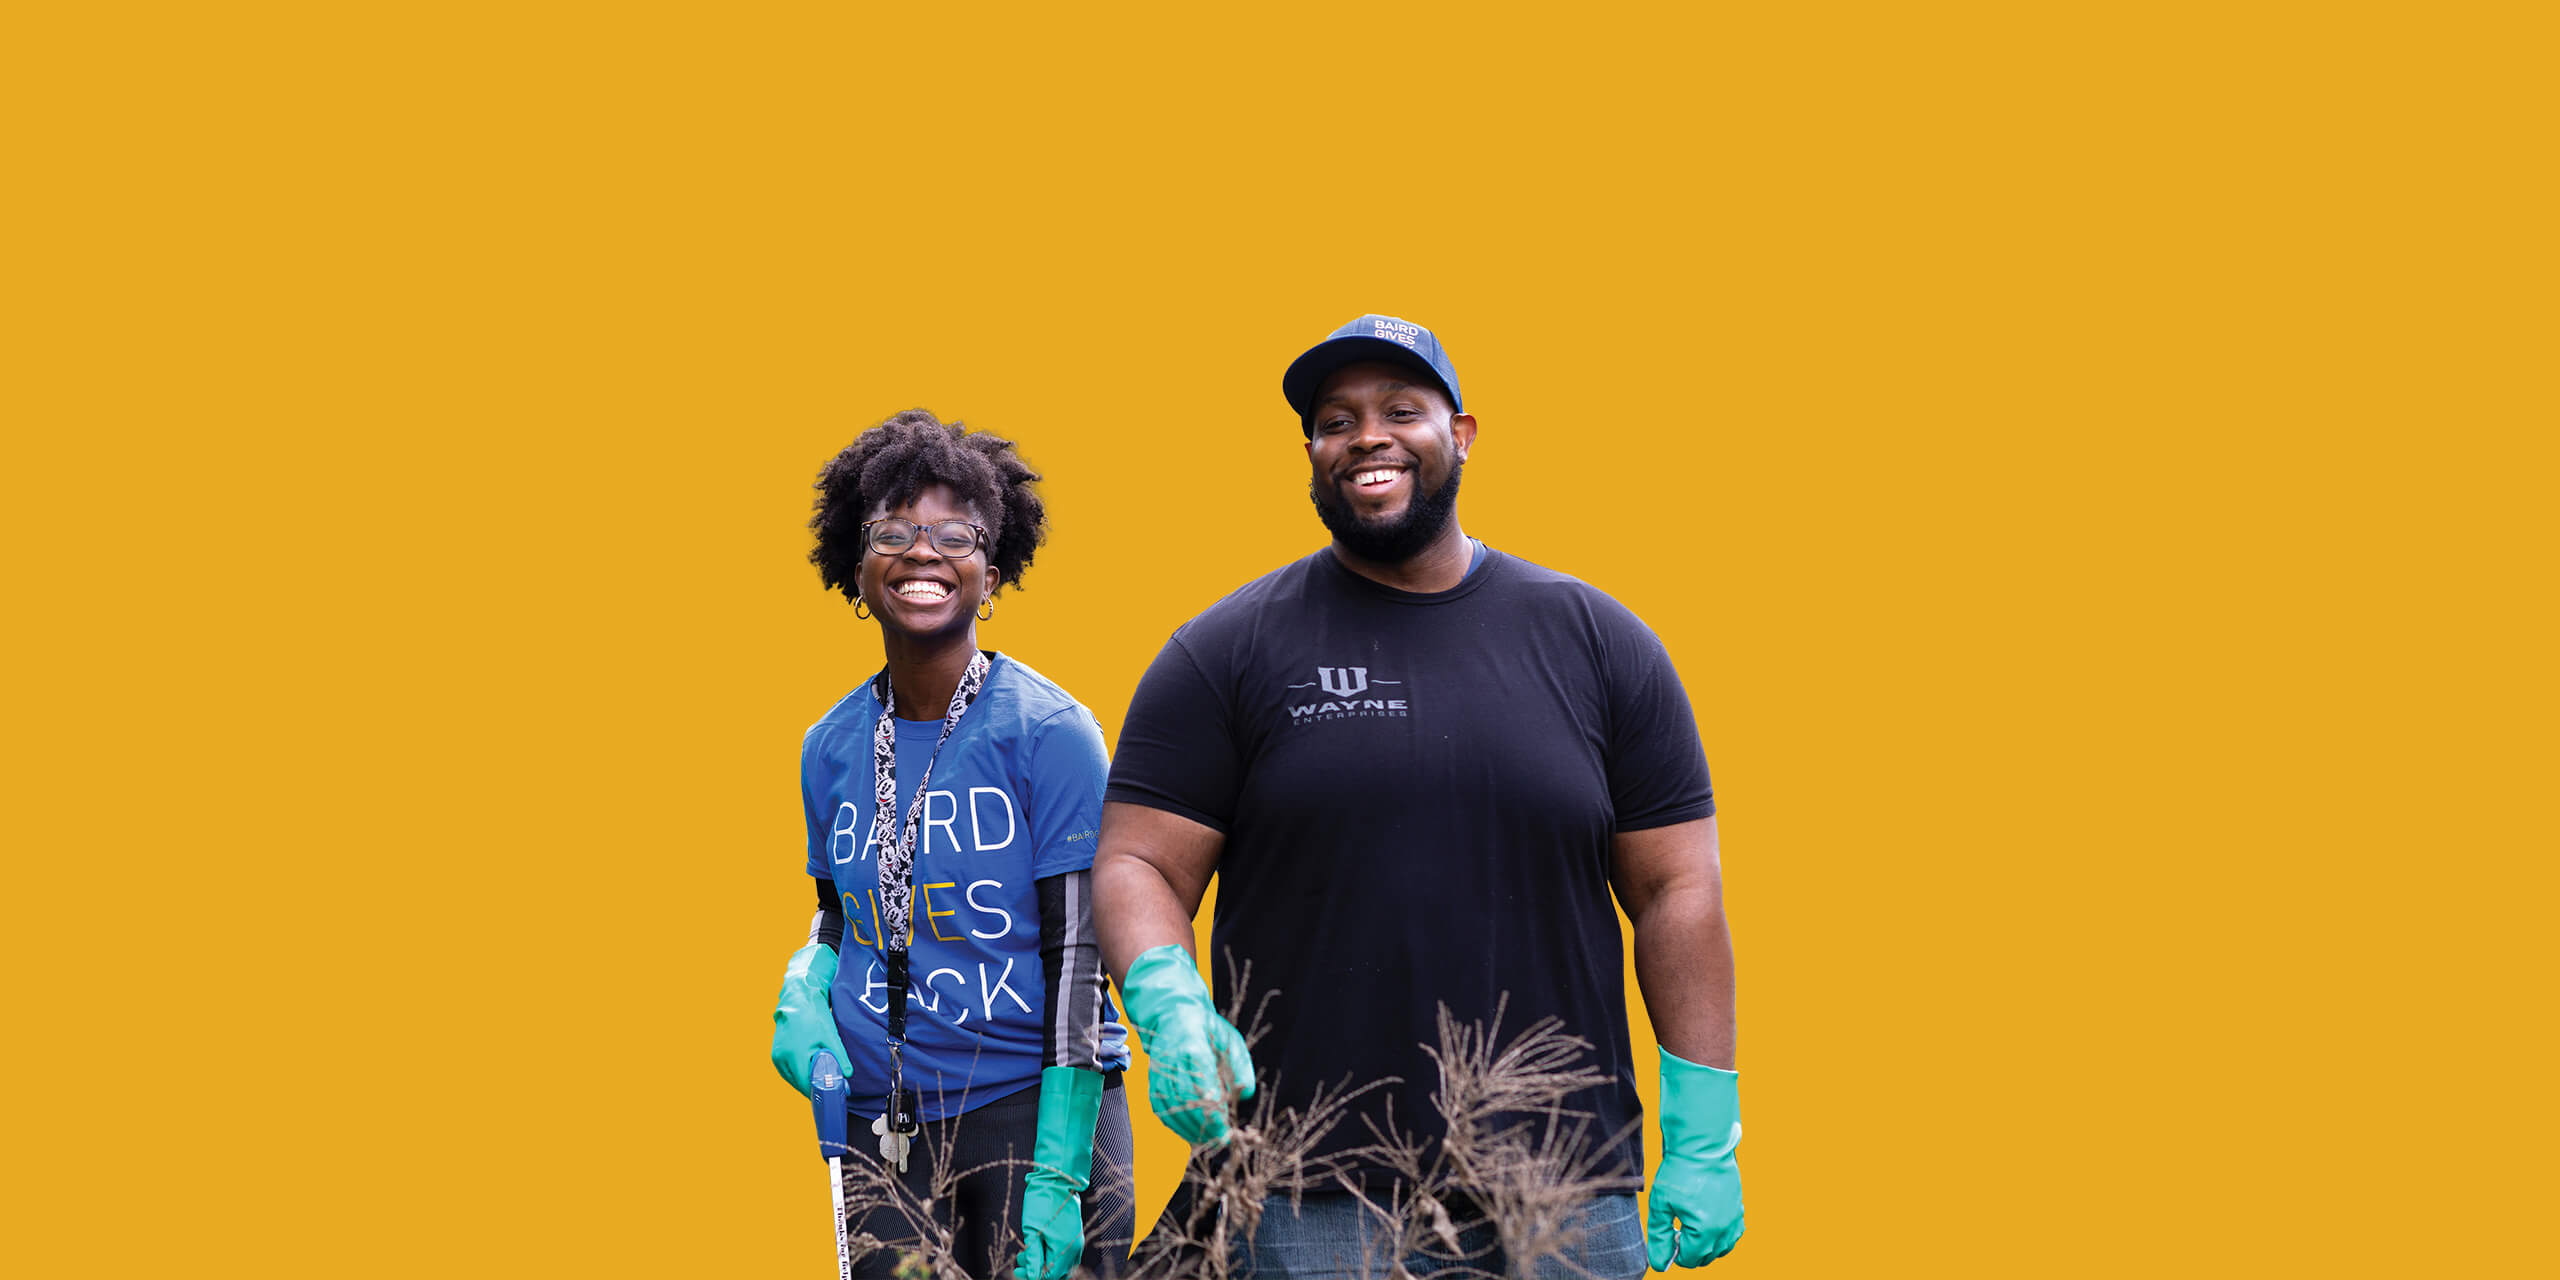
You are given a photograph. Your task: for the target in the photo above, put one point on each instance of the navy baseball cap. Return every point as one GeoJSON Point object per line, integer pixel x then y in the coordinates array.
{"type": "Point", "coordinates": [1381, 338]}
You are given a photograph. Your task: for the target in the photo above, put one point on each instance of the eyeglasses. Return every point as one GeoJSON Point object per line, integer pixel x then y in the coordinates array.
{"type": "Point", "coordinates": [950, 538]}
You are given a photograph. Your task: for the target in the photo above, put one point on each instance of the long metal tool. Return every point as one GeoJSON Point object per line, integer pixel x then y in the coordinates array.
{"type": "Point", "coordinates": [827, 1092]}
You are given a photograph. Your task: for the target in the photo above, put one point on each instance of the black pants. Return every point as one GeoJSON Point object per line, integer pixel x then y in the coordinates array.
{"type": "Point", "coordinates": [990, 1150]}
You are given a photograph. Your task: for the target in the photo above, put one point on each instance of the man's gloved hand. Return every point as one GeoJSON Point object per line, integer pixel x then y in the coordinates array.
{"type": "Point", "coordinates": [802, 1021]}
{"type": "Point", "coordinates": [1186, 1043]}
{"type": "Point", "coordinates": [1696, 1183]}
{"type": "Point", "coordinates": [1061, 1169]}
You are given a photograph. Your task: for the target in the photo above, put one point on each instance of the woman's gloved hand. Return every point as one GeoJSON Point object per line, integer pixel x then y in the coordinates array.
{"type": "Point", "coordinates": [1061, 1169]}
{"type": "Point", "coordinates": [803, 1023]}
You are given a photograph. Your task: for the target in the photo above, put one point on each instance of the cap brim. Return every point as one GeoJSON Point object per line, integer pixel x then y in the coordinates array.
{"type": "Point", "coordinates": [1306, 376]}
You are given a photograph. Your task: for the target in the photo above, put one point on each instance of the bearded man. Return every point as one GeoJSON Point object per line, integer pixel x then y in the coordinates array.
{"type": "Point", "coordinates": [1421, 769]}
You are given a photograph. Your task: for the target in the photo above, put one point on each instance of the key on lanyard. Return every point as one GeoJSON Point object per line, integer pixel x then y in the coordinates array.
{"type": "Point", "coordinates": [897, 1128]}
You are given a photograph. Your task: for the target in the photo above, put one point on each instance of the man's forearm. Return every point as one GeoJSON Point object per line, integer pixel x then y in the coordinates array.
{"type": "Point", "coordinates": [1135, 909]}
{"type": "Point", "coordinates": [1684, 968]}
{"type": "Point", "coordinates": [1148, 875]}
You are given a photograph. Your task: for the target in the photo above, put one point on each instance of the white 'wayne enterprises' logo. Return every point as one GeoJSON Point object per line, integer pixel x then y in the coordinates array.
{"type": "Point", "coordinates": [1343, 692]}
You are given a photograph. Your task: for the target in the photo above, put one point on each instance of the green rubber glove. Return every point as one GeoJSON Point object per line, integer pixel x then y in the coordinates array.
{"type": "Point", "coordinates": [1696, 1183]}
{"type": "Point", "coordinates": [802, 1021]}
{"type": "Point", "coordinates": [1061, 1168]}
{"type": "Point", "coordinates": [1186, 1043]}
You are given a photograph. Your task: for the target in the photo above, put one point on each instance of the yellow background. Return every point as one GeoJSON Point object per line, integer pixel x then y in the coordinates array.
{"type": "Point", "coordinates": [2089, 463]}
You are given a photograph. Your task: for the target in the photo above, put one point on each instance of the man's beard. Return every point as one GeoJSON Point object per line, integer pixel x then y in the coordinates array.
{"type": "Point", "coordinates": [1395, 539]}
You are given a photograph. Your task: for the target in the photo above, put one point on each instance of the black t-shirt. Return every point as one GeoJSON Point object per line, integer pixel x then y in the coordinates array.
{"type": "Point", "coordinates": [1418, 794]}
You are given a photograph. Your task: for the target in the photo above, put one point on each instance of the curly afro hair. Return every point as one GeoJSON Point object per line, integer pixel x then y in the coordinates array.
{"type": "Point", "coordinates": [910, 452]}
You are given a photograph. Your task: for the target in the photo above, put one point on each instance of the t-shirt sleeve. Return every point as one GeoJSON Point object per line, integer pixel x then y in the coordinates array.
{"type": "Point", "coordinates": [1177, 749]}
{"type": "Point", "coordinates": [1062, 792]}
{"type": "Point", "coordinates": [813, 799]}
{"type": "Point", "coordinates": [1657, 769]}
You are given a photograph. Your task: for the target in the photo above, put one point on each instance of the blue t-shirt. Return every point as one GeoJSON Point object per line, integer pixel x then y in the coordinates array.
{"type": "Point", "coordinates": [1016, 797]}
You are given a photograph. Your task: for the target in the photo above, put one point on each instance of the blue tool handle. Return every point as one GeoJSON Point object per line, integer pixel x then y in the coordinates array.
{"type": "Point", "coordinates": [827, 1094]}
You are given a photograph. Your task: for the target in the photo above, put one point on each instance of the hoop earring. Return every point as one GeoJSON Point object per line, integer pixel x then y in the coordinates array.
{"type": "Point", "coordinates": [987, 609]}
{"type": "Point", "coordinates": [861, 608]}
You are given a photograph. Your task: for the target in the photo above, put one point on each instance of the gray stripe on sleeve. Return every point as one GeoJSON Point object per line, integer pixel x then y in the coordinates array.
{"type": "Point", "coordinates": [1074, 1035]}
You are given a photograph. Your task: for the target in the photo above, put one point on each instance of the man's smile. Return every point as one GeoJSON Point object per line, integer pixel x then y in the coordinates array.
{"type": "Point", "coordinates": [1374, 478]}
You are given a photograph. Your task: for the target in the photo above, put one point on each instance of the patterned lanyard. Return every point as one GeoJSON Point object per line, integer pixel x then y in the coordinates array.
{"type": "Point", "coordinates": [896, 844]}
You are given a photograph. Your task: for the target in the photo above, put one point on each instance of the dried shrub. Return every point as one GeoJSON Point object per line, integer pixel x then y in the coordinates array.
{"type": "Point", "coordinates": [1513, 1157]}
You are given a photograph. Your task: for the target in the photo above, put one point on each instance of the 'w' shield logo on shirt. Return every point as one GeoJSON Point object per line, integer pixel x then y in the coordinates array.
{"type": "Point", "coordinates": [1342, 689]}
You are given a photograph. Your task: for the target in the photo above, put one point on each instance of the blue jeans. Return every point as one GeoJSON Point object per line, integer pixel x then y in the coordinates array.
{"type": "Point", "coordinates": [1332, 1236]}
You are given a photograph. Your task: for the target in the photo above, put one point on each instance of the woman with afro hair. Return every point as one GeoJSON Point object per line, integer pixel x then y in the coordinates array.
{"type": "Point", "coordinates": [952, 802]}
